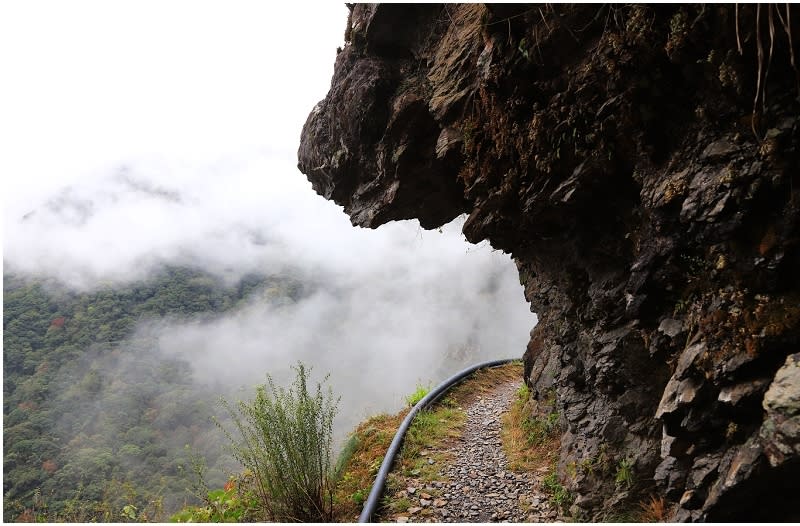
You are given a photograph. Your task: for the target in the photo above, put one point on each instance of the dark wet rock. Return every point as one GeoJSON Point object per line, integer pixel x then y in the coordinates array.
{"type": "Point", "coordinates": [670, 327]}
{"type": "Point", "coordinates": [612, 153]}
{"type": "Point", "coordinates": [780, 432]}
{"type": "Point", "coordinates": [719, 149]}
{"type": "Point", "coordinates": [735, 394]}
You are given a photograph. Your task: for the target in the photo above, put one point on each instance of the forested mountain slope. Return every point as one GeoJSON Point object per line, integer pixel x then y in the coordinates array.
{"type": "Point", "coordinates": [95, 415]}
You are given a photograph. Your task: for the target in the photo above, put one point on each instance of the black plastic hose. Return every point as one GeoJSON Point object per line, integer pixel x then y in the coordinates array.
{"type": "Point", "coordinates": [394, 447]}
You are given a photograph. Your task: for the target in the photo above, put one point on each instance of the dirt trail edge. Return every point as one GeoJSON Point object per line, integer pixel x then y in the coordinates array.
{"type": "Point", "coordinates": [479, 486]}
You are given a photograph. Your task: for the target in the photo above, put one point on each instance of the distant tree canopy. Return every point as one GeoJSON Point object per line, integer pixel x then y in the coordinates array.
{"type": "Point", "coordinates": [93, 417]}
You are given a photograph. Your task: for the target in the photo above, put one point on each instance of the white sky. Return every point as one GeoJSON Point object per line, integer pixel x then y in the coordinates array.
{"type": "Point", "coordinates": [87, 83]}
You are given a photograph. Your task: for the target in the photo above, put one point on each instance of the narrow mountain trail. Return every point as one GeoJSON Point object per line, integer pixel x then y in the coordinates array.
{"type": "Point", "coordinates": [477, 484]}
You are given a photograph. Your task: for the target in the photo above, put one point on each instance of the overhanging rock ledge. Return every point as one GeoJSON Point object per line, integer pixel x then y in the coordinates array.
{"type": "Point", "coordinates": [614, 152]}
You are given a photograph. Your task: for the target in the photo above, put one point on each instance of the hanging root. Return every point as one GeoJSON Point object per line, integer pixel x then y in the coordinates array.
{"type": "Point", "coordinates": [738, 38]}
{"type": "Point", "coordinates": [771, 20]}
{"type": "Point", "coordinates": [763, 70]}
{"type": "Point", "coordinates": [787, 27]}
{"type": "Point", "coordinates": [760, 51]}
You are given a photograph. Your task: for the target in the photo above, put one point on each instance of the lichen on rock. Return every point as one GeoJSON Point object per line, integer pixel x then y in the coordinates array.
{"type": "Point", "coordinates": [614, 152]}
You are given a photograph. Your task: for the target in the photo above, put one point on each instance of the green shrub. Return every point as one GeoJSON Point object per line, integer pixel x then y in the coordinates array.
{"type": "Point", "coordinates": [360, 496]}
{"type": "Point", "coordinates": [624, 476]}
{"type": "Point", "coordinates": [420, 393]}
{"type": "Point", "coordinates": [233, 503]}
{"type": "Point", "coordinates": [559, 496]}
{"type": "Point", "coordinates": [285, 441]}
{"type": "Point", "coordinates": [540, 429]}
{"type": "Point", "coordinates": [523, 393]}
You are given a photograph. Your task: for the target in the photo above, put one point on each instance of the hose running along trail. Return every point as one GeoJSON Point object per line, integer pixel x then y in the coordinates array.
{"type": "Point", "coordinates": [476, 483]}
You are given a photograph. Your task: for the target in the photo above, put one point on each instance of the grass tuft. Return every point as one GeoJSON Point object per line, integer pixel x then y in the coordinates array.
{"type": "Point", "coordinates": [372, 438]}
{"type": "Point", "coordinates": [654, 509]}
{"type": "Point", "coordinates": [529, 443]}
{"type": "Point", "coordinates": [419, 393]}
{"type": "Point", "coordinates": [559, 496]}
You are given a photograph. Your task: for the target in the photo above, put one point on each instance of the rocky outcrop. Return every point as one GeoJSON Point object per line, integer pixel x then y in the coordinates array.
{"type": "Point", "coordinates": [652, 210]}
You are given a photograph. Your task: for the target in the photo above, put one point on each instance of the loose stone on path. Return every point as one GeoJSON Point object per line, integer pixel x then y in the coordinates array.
{"type": "Point", "coordinates": [480, 485]}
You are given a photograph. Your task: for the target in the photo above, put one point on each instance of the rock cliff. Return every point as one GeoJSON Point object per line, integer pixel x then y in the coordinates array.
{"type": "Point", "coordinates": [640, 164]}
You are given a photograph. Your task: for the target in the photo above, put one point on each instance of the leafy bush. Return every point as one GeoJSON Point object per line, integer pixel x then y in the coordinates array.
{"type": "Point", "coordinates": [286, 437]}
{"type": "Point", "coordinates": [360, 496]}
{"type": "Point", "coordinates": [559, 496]}
{"type": "Point", "coordinates": [233, 503]}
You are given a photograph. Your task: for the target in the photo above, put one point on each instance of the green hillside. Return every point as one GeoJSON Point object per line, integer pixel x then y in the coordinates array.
{"type": "Point", "coordinates": [95, 417]}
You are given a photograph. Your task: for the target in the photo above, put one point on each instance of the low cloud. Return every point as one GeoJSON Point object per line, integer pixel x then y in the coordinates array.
{"type": "Point", "coordinates": [155, 159]}
{"type": "Point", "coordinates": [388, 308]}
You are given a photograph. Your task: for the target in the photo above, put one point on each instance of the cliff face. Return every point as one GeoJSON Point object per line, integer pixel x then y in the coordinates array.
{"type": "Point", "coordinates": [614, 152]}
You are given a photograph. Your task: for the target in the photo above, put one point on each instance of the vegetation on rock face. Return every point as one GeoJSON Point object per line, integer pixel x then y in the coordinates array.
{"type": "Point", "coordinates": [95, 418]}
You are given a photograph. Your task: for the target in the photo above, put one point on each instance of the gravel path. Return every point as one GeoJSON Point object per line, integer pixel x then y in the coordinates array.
{"type": "Point", "coordinates": [480, 487]}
